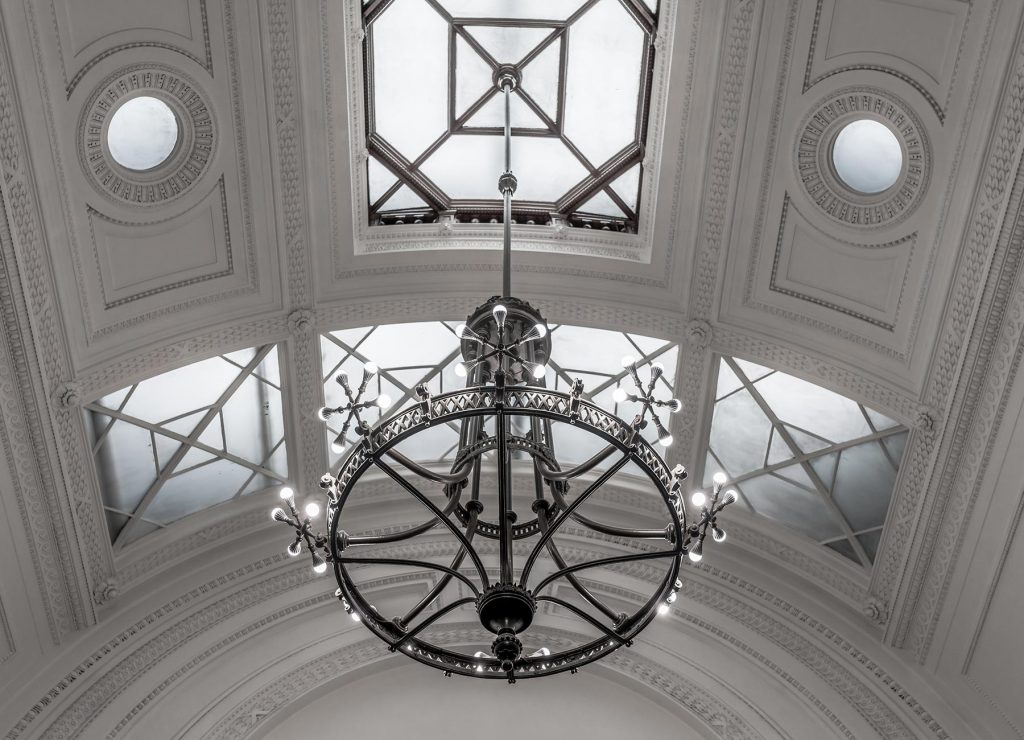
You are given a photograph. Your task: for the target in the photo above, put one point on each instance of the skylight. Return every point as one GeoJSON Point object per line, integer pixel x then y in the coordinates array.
{"type": "Point", "coordinates": [817, 462]}
{"type": "Point", "coordinates": [188, 439]}
{"type": "Point", "coordinates": [142, 133]}
{"type": "Point", "coordinates": [435, 115]}
{"type": "Point", "coordinates": [867, 156]}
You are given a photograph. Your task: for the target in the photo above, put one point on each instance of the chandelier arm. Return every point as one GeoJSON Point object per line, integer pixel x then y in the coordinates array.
{"type": "Point", "coordinates": [636, 534]}
{"type": "Point", "coordinates": [568, 511]}
{"type": "Point", "coordinates": [504, 501]}
{"type": "Point", "coordinates": [457, 476]}
{"type": "Point", "coordinates": [551, 474]}
{"type": "Point", "coordinates": [572, 579]}
{"type": "Point", "coordinates": [430, 620]}
{"type": "Point", "coordinates": [382, 539]}
{"type": "Point", "coordinates": [584, 616]}
{"type": "Point", "coordinates": [412, 564]}
{"type": "Point", "coordinates": [446, 578]}
{"type": "Point", "coordinates": [440, 515]}
{"type": "Point", "coordinates": [606, 561]}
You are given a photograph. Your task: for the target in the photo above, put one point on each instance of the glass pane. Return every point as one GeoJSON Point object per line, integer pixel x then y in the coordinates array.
{"type": "Point", "coordinates": [739, 434]}
{"type": "Point", "coordinates": [403, 198]}
{"type": "Point", "coordinates": [601, 204]}
{"type": "Point", "coordinates": [727, 381]}
{"type": "Point", "coordinates": [869, 541]}
{"type": "Point", "coordinates": [380, 178]}
{"type": "Point", "coordinates": [191, 387]}
{"type": "Point", "coordinates": [473, 76]}
{"type": "Point", "coordinates": [509, 44]}
{"type": "Point", "coordinates": [844, 548]}
{"type": "Point", "coordinates": [791, 505]}
{"type": "Point", "coordinates": [493, 114]}
{"type": "Point", "coordinates": [864, 486]}
{"type": "Point", "coordinates": [545, 167]}
{"type": "Point", "coordinates": [124, 463]}
{"type": "Point", "coordinates": [813, 408]}
{"type": "Point", "coordinates": [410, 54]}
{"type": "Point", "coordinates": [556, 10]}
{"type": "Point", "coordinates": [881, 422]}
{"type": "Point", "coordinates": [752, 370]}
{"type": "Point", "coordinates": [627, 186]}
{"type": "Point", "coordinates": [603, 80]}
{"type": "Point", "coordinates": [540, 78]}
{"type": "Point", "coordinates": [197, 489]}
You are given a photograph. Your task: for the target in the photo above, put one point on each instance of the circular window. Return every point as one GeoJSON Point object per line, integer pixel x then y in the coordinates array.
{"type": "Point", "coordinates": [867, 156]}
{"type": "Point", "coordinates": [142, 133]}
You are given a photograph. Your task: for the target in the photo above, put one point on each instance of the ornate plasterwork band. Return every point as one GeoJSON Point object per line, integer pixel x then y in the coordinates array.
{"type": "Point", "coordinates": [817, 173]}
{"type": "Point", "coordinates": [191, 155]}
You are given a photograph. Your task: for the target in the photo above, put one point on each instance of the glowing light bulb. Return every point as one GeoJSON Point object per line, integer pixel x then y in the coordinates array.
{"type": "Point", "coordinates": [312, 509]}
{"type": "Point", "coordinates": [355, 617]}
{"type": "Point", "coordinates": [619, 395]}
{"type": "Point", "coordinates": [324, 413]}
{"type": "Point", "coordinates": [675, 406]}
{"type": "Point", "coordinates": [319, 564]}
{"type": "Point", "coordinates": [671, 598]}
{"type": "Point", "coordinates": [718, 534]}
{"type": "Point", "coordinates": [538, 371]}
{"type": "Point", "coordinates": [541, 330]}
{"type": "Point", "coordinates": [628, 361]}
{"type": "Point", "coordinates": [337, 446]}
{"type": "Point", "coordinates": [499, 312]}
{"type": "Point", "coordinates": [665, 440]}
{"type": "Point", "coordinates": [461, 331]}
{"type": "Point", "coordinates": [371, 368]}
{"type": "Point", "coordinates": [383, 401]}
{"type": "Point", "coordinates": [286, 493]}
{"type": "Point", "coordinates": [663, 609]}
{"type": "Point", "coordinates": [657, 369]}
{"type": "Point", "coordinates": [730, 497]}
{"type": "Point", "coordinates": [295, 548]}
{"type": "Point", "coordinates": [697, 553]}
{"type": "Point", "coordinates": [320, 568]}
{"type": "Point", "coordinates": [479, 668]}
{"type": "Point", "coordinates": [461, 370]}
{"type": "Point", "coordinates": [278, 515]}
{"type": "Point", "coordinates": [698, 498]}
{"type": "Point", "coordinates": [719, 478]}
{"type": "Point", "coordinates": [341, 378]}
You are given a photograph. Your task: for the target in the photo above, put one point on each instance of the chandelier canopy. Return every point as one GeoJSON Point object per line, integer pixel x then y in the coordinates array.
{"type": "Point", "coordinates": [505, 496]}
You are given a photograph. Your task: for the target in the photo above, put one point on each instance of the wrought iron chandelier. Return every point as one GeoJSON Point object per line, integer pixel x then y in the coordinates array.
{"type": "Point", "coordinates": [505, 412]}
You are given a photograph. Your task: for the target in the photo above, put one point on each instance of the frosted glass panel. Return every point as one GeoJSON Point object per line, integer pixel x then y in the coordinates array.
{"type": "Point", "coordinates": [142, 133]}
{"type": "Point", "coordinates": [509, 44]}
{"type": "Point", "coordinates": [540, 79]}
{"type": "Point", "coordinates": [473, 76]}
{"type": "Point", "coordinates": [555, 10]}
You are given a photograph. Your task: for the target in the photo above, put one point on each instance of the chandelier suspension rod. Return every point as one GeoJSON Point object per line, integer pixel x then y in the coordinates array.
{"type": "Point", "coordinates": [507, 186]}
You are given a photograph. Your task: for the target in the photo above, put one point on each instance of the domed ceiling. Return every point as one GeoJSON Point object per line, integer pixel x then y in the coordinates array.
{"type": "Point", "coordinates": [808, 211]}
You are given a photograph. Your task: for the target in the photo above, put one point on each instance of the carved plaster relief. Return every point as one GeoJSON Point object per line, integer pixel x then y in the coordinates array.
{"type": "Point", "coordinates": [918, 43]}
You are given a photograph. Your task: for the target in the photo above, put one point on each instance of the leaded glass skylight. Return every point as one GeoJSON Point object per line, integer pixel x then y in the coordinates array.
{"type": "Point", "coordinates": [188, 439]}
{"type": "Point", "coordinates": [579, 115]}
{"type": "Point", "coordinates": [813, 460]}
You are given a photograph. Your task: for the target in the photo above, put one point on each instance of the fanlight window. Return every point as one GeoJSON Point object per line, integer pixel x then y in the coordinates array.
{"type": "Point", "coordinates": [578, 113]}
{"type": "Point", "coordinates": [188, 439]}
{"type": "Point", "coordinates": [818, 462]}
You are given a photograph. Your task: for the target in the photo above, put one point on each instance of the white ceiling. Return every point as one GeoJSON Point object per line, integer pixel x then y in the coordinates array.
{"type": "Point", "coordinates": [256, 231]}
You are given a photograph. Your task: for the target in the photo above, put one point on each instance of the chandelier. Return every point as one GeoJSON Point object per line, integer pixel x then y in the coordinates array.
{"type": "Point", "coordinates": [507, 419]}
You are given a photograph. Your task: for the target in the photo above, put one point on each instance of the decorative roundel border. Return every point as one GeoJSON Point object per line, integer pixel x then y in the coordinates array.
{"type": "Point", "coordinates": [192, 153]}
{"type": "Point", "coordinates": [817, 172]}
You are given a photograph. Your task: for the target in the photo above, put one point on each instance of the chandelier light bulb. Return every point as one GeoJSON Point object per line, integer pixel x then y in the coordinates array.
{"type": "Point", "coordinates": [383, 401]}
{"type": "Point", "coordinates": [538, 371]}
{"type": "Point", "coordinates": [319, 564]}
{"type": "Point", "coordinates": [338, 446]}
{"type": "Point", "coordinates": [295, 548]}
{"type": "Point", "coordinates": [499, 312]}
{"type": "Point", "coordinates": [628, 361]}
{"type": "Point", "coordinates": [730, 497]}
{"type": "Point", "coordinates": [719, 478]}
{"type": "Point", "coordinates": [698, 498]}
{"type": "Point", "coordinates": [286, 493]}
{"type": "Point", "coordinates": [657, 369]}
{"type": "Point", "coordinates": [312, 509]}
{"type": "Point", "coordinates": [619, 395]}
{"type": "Point", "coordinates": [671, 598]}
{"type": "Point", "coordinates": [540, 330]}
{"type": "Point", "coordinates": [278, 515]}
{"type": "Point", "coordinates": [341, 378]}
{"type": "Point", "coordinates": [697, 553]}
{"type": "Point", "coordinates": [665, 440]}
{"type": "Point", "coordinates": [355, 617]}
{"type": "Point", "coordinates": [718, 534]}
{"type": "Point", "coordinates": [324, 413]}
{"type": "Point", "coordinates": [371, 369]}
{"type": "Point", "coordinates": [462, 331]}
{"type": "Point", "coordinates": [461, 370]}
{"type": "Point", "coordinates": [675, 406]}
{"type": "Point", "coordinates": [663, 609]}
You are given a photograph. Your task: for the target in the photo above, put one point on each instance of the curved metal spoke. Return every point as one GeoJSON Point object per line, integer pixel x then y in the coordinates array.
{"type": "Point", "coordinates": [582, 615]}
{"type": "Point", "coordinates": [457, 476]}
{"type": "Point", "coordinates": [605, 561]}
{"type": "Point", "coordinates": [551, 474]}
{"type": "Point", "coordinates": [636, 534]}
{"type": "Point", "coordinates": [383, 539]}
{"type": "Point", "coordinates": [445, 579]}
{"type": "Point", "coordinates": [451, 572]}
{"type": "Point", "coordinates": [568, 512]}
{"type": "Point", "coordinates": [431, 619]}
{"type": "Point", "coordinates": [440, 515]}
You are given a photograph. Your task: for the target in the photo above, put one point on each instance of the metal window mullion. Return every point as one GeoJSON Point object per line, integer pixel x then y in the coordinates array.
{"type": "Point", "coordinates": [819, 484]}
{"type": "Point", "coordinates": [190, 442]}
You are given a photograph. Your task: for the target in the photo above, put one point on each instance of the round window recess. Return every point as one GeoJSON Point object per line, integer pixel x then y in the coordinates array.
{"type": "Point", "coordinates": [867, 156]}
{"type": "Point", "coordinates": [142, 134]}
